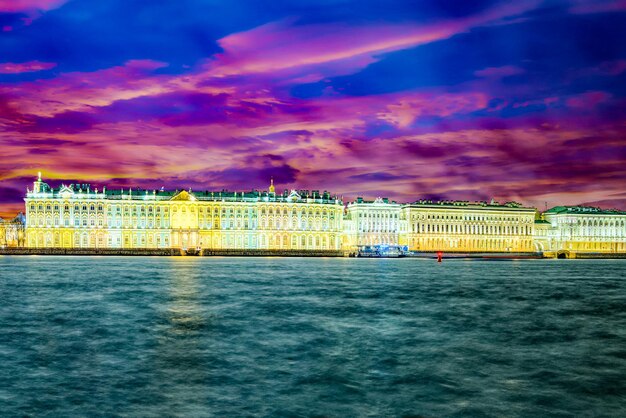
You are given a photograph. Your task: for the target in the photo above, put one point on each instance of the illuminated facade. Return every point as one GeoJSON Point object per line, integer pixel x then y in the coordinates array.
{"type": "Point", "coordinates": [441, 226]}
{"type": "Point", "coordinates": [76, 216]}
{"type": "Point", "coordinates": [372, 222]}
{"type": "Point", "coordinates": [469, 227]}
{"type": "Point", "coordinates": [581, 229]}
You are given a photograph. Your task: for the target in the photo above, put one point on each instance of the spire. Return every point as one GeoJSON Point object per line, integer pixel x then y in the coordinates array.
{"type": "Point", "coordinates": [39, 176]}
{"type": "Point", "coordinates": [272, 189]}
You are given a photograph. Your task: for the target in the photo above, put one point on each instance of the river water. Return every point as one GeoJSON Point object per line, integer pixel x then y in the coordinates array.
{"type": "Point", "coordinates": [227, 337]}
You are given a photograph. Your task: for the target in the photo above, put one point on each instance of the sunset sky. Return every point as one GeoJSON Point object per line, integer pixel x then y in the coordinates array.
{"type": "Point", "coordinates": [514, 100]}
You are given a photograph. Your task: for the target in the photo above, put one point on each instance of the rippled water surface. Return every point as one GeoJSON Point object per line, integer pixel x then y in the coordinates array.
{"type": "Point", "coordinates": [108, 336]}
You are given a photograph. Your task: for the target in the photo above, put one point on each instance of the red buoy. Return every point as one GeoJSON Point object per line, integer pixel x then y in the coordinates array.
{"type": "Point", "coordinates": [439, 256]}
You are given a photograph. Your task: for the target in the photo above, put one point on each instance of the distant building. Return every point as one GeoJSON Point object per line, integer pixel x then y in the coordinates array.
{"type": "Point", "coordinates": [12, 232]}
{"type": "Point", "coordinates": [568, 230]}
{"type": "Point", "coordinates": [469, 227]}
{"type": "Point", "coordinates": [77, 216]}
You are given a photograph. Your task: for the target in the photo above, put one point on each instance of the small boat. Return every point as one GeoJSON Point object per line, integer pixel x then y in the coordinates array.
{"type": "Point", "coordinates": [382, 251]}
{"type": "Point", "coordinates": [193, 251]}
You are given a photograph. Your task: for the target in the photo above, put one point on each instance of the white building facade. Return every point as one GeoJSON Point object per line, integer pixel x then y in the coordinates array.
{"type": "Point", "coordinates": [372, 223]}
{"type": "Point", "coordinates": [580, 229]}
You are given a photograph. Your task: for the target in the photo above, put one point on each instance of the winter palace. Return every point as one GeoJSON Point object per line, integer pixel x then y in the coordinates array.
{"type": "Point", "coordinates": [79, 216]}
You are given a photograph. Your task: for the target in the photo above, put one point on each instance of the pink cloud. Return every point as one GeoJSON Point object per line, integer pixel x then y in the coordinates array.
{"type": "Point", "coordinates": [499, 72]}
{"type": "Point", "coordinates": [25, 67]}
{"type": "Point", "coordinates": [329, 152]}
{"type": "Point", "coordinates": [612, 68]}
{"type": "Point", "coordinates": [277, 50]}
{"type": "Point", "coordinates": [16, 6]}
{"type": "Point", "coordinates": [407, 109]}
{"type": "Point", "coordinates": [281, 46]}
{"type": "Point", "coordinates": [587, 100]}
{"type": "Point", "coordinates": [597, 6]}
{"type": "Point", "coordinates": [81, 91]}
{"type": "Point", "coordinates": [547, 101]}
{"type": "Point", "coordinates": [228, 123]}
{"type": "Point", "coordinates": [604, 69]}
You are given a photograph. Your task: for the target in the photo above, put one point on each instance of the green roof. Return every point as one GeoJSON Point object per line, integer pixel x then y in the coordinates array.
{"type": "Point", "coordinates": [136, 193]}
{"type": "Point", "coordinates": [466, 203]}
{"type": "Point", "coordinates": [588, 210]}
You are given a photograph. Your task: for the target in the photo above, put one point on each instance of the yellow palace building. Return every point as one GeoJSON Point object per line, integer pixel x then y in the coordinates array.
{"type": "Point", "coordinates": [77, 216]}
{"type": "Point", "coordinates": [469, 227]}
{"type": "Point", "coordinates": [452, 226]}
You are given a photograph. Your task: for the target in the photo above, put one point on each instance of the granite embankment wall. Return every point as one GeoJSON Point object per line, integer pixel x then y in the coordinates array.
{"type": "Point", "coordinates": [582, 255]}
{"type": "Point", "coordinates": [282, 253]}
{"type": "Point", "coordinates": [513, 255]}
{"type": "Point", "coordinates": [90, 251]}
{"type": "Point", "coordinates": [598, 255]}
{"type": "Point", "coordinates": [464, 254]}
{"type": "Point", "coordinates": [272, 253]}
{"type": "Point", "coordinates": [167, 252]}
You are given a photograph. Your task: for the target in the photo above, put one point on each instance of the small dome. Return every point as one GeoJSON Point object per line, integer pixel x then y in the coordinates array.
{"type": "Point", "coordinates": [272, 188]}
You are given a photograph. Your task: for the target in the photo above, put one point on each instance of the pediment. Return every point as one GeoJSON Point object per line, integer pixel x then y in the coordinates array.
{"type": "Point", "coordinates": [184, 196]}
{"type": "Point", "coordinates": [293, 196]}
{"type": "Point", "coordinates": [66, 191]}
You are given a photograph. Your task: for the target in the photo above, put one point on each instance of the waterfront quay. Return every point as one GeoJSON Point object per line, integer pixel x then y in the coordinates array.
{"type": "Point", "coordinates": [177, 252]}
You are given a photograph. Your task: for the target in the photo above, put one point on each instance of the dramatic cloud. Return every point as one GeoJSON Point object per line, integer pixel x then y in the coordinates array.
{"type": "Point", "coordinates": [25, 67]}
{"type": "Point", "coordinates": [454, 100]}
{"type": "Point", "coordinates": [280, 47]}
{"type": "Point", "coordinates": [14, 6]}
{"type": "Point", "coordinates": [597, 6]}
{"type": "Point", "coordinates": [505, 71]}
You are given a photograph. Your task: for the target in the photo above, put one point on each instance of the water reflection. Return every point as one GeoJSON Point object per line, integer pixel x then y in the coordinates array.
{"type": "Point", "coordinates": [182, 352]}
{"type": "Point", "coordinates": [184, 312]}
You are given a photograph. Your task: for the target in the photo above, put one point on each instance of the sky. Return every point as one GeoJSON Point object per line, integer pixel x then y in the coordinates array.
{"type": "Point", "coordinates": [441, 99]}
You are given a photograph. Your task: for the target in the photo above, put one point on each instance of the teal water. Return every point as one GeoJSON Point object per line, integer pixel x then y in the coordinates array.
{"type": "Point", "coordinates": [226, 337]}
